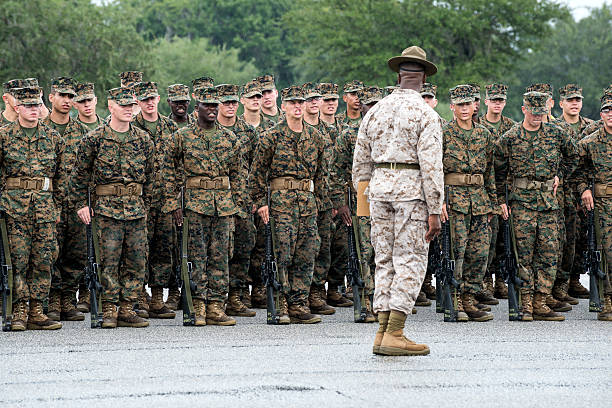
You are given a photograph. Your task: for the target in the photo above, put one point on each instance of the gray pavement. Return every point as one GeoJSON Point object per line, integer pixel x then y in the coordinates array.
{"type": "Point", "coordinates": [331, 364]}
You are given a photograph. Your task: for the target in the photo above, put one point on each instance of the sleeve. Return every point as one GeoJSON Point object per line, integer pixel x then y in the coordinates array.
{"type": "Point", "coordinates": [321, 178]}
{"type": "Point", "coordinates": [262, 160]}
{"type": "Point", "coordinates": [81, 173]}
{"type": "Point", "coordinates": [489, 176]}
{"type": "Point", "coordinates": [60, 180]}
{"type": "Point", "coordinates": [238, 174]}
{"type": "Point", "coordinates": [363, 165]}
{"type": "Point", "coordinates": [429, 152]}
{"type": "Point", "coordinates": [501, 164]}
{"type": "Point", "coordinates": [173, 173]}
{"type": "Point", "coordinates": [569, 152]}
{"type": "Point", "coordinates": [340, 173]}
{"type": "Point", "coordinates": [149, 184]}
{"type": "Point", "coordinates": [585, 168]}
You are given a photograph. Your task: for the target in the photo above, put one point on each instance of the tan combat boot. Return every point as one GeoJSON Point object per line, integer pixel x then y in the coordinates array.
{"type": "Point", "coordinates": [246, 297]}
{"type": "Point", "coordinates": [576, 289]}
{"type": "Point", "coordinates": [557, 305]}
{"type": "Point", "coordinates": [472, 311]}
{"type": "Point", "coordinates": [127, 317]}
{"type": "Point", "coordinates": [258, 297]}
{"type": "Point", "coordinates": [500, 291]}
{"type": "Point", "coordinates": [541, 311]}
{"type": "Point", "coordinates": [157, 307]}
{"type": "Point", "coordinates": [317, 303]}
{"type": "Point", "coordinates": [109, 315]}
{"type": "Point", "coordinates": [54, 308]}
{"type": "Point", "coordinates": [383, 320]}
{"type": "Point", "coordinates": [559, 292]}
{"type": "Point", "coordinates": [20, 316]}
{"type": "Point", "coordinates": [487, 284]}
{"type": "Point", "coordinates": [427, 287]}
{"type": "Point", "coordinates": [37, 320]}
{"type": "Point", "coordinates": [235, 307]}
{"type": "Point", "coordinates": [335, 298]}
{"type": "Point", "coordinates": [394, 343]}
{"type": "Point", "coordinates": [483, 308]}
{"type": "Point", "coordinates": [606, 310]}
{"type": "Point", "coordinates": [69, 311]}
{"type": "Point", "coordinates": [526, 305]}
{"type": "Point", "coordinates": [174, 298]}
{"type": "Point", "coordinates": [142, 307]}
{"type": "Point", "coordinates": [461, 315]}
{"type": "Point", "coordinates": [299, 314]}
{"type": "Point", "coordinates": [283, 312]}
{"type": "Point", "coordinates": [199, 308]}
{"type": "Point", "coordinates": [422, 300]}
{"type": "Point", "coordinates": [486, 298]}
{"type": "Point", "coordinates": [348, 293]}
{"type": "Point", "coordinates": [84, 299]}
{"type": "Point", "coordinates": [369, 318]}
{"type": "Point", "coordinates": [215, 315]}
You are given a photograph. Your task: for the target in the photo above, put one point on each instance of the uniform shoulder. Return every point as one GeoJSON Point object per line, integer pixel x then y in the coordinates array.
{"type": "Point", "coordinates": [591, 137]}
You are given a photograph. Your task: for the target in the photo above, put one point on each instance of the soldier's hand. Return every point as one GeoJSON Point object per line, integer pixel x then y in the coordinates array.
{"type": "Point", "coordinates": [85, 215]}
{"type": "Point", "coordinates": [505, 211]}
{"type": "Point", "coordinates": [555, 185]}
{"type": "Point", "coordinates": [178, 217]}
{"type": "Point", "coordinates": [434, 227]}
{"type": "Point", "coordinates": [587, 200]}
{"type": "Point", "coordinates": [264, 214]}
{"type": "Point", "coordinates": [345, 214]}
{"type": "Point", "coordinates": [444, 214]}
{"type": "Point", "coordinates": [254, 209]}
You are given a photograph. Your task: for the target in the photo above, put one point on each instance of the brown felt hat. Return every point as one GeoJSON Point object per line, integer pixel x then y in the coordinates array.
{"type": "Point", "coordinates": [413, 54]}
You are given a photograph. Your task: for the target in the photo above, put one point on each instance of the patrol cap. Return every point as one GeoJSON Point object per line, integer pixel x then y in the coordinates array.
{"type": "Point", "coordinates": [122, 96]}
{"type": "Point", "coordinates": [328, 90]}
{"type": "Point", "coordinates": [145, 90]}
{"type": "Point", "coordinates": [311, 90]}
{"type": "Point", "coordinates": [370, 94]}
{"type": "Point", "coordinates": [352, 86]}
{"type": "Point", "coordinates": [266, 82]}
{"type": "Point", "coordinates": [251, 89]}
{"type": "Point", "coordinates": [63, 85]}
{"type": "Point", "coordinates": [30, 83]}
{"type": "Point", "coordinates": [84, 90]}
{"type": "Point", "coordinates": [540, 88]}
{"type": "Point", "coordinates": [570, 91]}
{"type": "Point", "coordinates": [178, 92]}
{"type": "Point", "coordinates": [428, 89]}
{"type": "Point", "coordinates": [27, 96]}
{"type": "Point", "coordinates": [130, 78]}
{"type": "Point", "coordinates": [461, 94]}
{"type": "Point", "coordinates": [207, 95]}
{"type": "Point", "coordinates": [227, 93]}
{"type": "Point", "coordinates": [475, 90]}
{"type": "Point", "coordinates": [12, 84]}
{"type": "Point", "coordinates": [292, 93]}
{"type": "Point", "coordinates": [496, 91]}
{"type": "Point", "coordinates": [389, 90]}
{"type": "Point", "coordinates": [202, 82]}
{"type": "Point", "coordinates": [606, 101]}
{"type": "Point", "coordinates": [535, 102]}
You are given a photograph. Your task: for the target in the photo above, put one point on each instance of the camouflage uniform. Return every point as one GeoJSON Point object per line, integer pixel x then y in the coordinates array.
{"type": "Point", "coordinates": [176, 93]}
{"type": "Point", "coordinates": [294, 165]}
{"type": "Point", "coordinates": [528, 162]}
{"type": "Point", "coordinates": [401, 128]}
{"type": "Point", "coordinates": [266, 83]}
{"type": "Point", "coordinates": [199, 83]}
{"type": "Point", "coordinates": [342, 118]}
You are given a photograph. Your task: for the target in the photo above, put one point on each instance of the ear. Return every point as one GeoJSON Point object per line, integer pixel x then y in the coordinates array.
{"type": "Point", "coordinates": [51, 97]}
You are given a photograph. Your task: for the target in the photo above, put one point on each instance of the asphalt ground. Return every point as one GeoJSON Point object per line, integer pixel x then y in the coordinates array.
{"type": "Point", "coordinates": [492, 364]}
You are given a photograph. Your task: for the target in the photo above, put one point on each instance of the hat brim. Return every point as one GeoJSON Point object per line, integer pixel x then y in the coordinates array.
{"type": "Point", "coordinates": [147, 96]}
{"type": "Point", "coordinates": [80, 98]}
{"type": "Point", "coordinates": [427, 94]}
{"type": "Point", "coordinates": [456, 101]}
{"type": "Point", "coordinates": [65, 91]}
{"type": "Point", "coordinates": [331, 96]}
{"type": "Point", "coordinates": [313, 95]}
{"type": "Point", "coordinates": [573, 95]}
{"type": "Point", "coordinates": [606, 105]}
{"type": "Point", "coordinates": [231, 98]}
{"type": "Point", "coordinates": [537, 111]}
{"type": "Point", "coordinates": [268, 88]}
{"type": "Point", "coordinates": [124, 101]}
{"type": "Point", "coordinates": [186, 98]}
{"type": "Point", "coordinates": [30, 101]}
{"type": "Point", "coordinates": [496, 96]}
{"type": "Point", "coordinates": [213, 101]}
{"type": "Point", "coordinates": [293, 98]}
{"type": "Point", "coordinates": [351, 90]}
{"type": "Point", "coordinates": [395, 62]}
{"type": "Point", "coordinates": [251, 94]}
{"type": "Point", "coordinates": [370, 100]}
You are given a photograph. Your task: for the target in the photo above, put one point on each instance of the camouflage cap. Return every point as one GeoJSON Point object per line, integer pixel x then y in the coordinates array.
{"type": "Point", "coordinates": [389, 90]}
{"type": "Point", "coordinates": [461, 94]}
{"type": "Point", "coordinates": [30, 82]}
{"type": "Point", "coordinates": [145, 90]}
{"type": "Point", "coordinates": [535, 102]}
{"type": "Point", "coordinates": [570, 91]}
{"type": "Point", "coordinates": [370, 94]}
{"type": "Point", "coordinates": [606, 100]}
{"type": "Point", "coordinates": [227, 93]}
{"type": "Point", "coordinates": [475, 90]}
{"type": "Point", "coordinates": [202, 82]}
{"type": "Point", "coordinates": [292, 93]}
{"type": "Point", "coordinates": [608, 89]}
{"type": "Point", "coordinates": [266, 82]}
{"type": "Point", "coordinates": [130, 78]}
{"type": "Point", "coordinates": [122, 96]}
{"type": "Point", "coordinates": [178, 92]}
{"type": "Point", "coordinates": [352, 86]}
{"type": "Point", "coordinates": [207, 95]}
{"type": "Point", "coordinates": [540, 88]}
{"type": "Point", "coordinates": [63, 85]}
{"type": "Point", "coordinates": [328, 90]}
{"type": "Point", "coordinates": [251, 89]}
{"type": "Point", "coordinates": [311, 90]}
{"type": "Point", "coordinates": [84, 90]}
{"type": "Point", "coordinates": [12, 84]}
{"type": "Point", "coordinates": [428, 89]}
{"type": "Point", "coordinates": [496, 91]}
{"type": "Point", "coordinates": [27, 96]}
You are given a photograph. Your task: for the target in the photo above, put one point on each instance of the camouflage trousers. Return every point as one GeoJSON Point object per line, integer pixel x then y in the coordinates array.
{"type": "Point", "coordinates": [568, 251]}
{"type": "Point", "coordinates": [123, 255]}
{"type": "Point", "coordinates": [604, 211]}
{"type": "Point", "coordinates": [537, 244]}
{"type": "Point", "coordinates": [33, 248]}
{"type": "Point", "coordinates": [398, 237]}
{"type": "Point", "coordinates": [297, 245]}
{"type": "Point", "coordinates": [72, 239]}
{"type": "Point", "coordinates": [323, 259]}
{"type": "Point", "coordinates": [338, 254]}
{"type": "Point", "coordinates": [367, 252]}
{"type": "Point", "coordinates": [161, 238]}
{"type": "Point", "coordinates": [472, 235]}
{"type": "Point", "coordinates": [208, 252]}
{"type": "Point", "coordinates": [244, 241]}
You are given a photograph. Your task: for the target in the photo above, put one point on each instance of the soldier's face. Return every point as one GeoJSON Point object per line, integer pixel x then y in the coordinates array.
{"type": "Point", "coordinates": [312, 105]}
{"type": "Point", "coordinates": [252, 103]}
{"type": "Point", "coordinates": [178, 108]}
{"type": "Point", "coordinates": [293, 109]}
{"type": "Point", "coordinates": [352, 101]}
{"type": "Point", "coordinates": [268, 99]}
{"type": "Point", "coordinates": [532, 119]}
{"type": "Point", "coordinates": [463, 111]}
{"type": "Point", "coordinates": [228, 109]}
{"type": "Point", "coordinates": [365, 107]}
{"type": "Point", "coordinates": [496, 105]}
{"type": "Point", "coordinates": [61, 102]}
{"type": "Point", "coordinates": [329, 106]}
{"type": "Point", "coordinates": [9, 100]}
{"type": "Point", "coordinates": [571, 106]}
{"type": "Point", "coordinates": [431, 101]}
{"type": "Point", "coordinates": [122, 113]}
{"type": "Point", "coordinates": [208, 111]}
{"type": "Point", "coordinates": [87, 107]}
{"type": "Point", "coordinates": [606, 118]}
{"type": "Point", "coordinates": [149, 105]}
{"type": "Point", "coordinates": [28, 113]}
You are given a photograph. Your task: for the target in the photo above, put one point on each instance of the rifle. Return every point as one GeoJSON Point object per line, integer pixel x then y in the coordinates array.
{"type": "Point", "coordinates": [508, 267]}
{"type": "Point", "coordinates": [269, 273]}
{"type": "Point", "coordinates": [184, 276]}
{"type": "Point", "coordinates": [447, 278]}
{"type": "Point", "coordinates": [356, 266]}
{"type": "Point", "coordinates": [6, 279]}
{"type": "Point", "coordinates": [594, 262]}
{"type": "Point", "coordinates": [433, 267]}
{"type": "Point", "coordinates": [92, 277]}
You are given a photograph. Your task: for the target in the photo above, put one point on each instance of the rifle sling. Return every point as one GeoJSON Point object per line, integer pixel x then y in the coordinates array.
{"type": "Point", "coordinates": [7, 260]}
